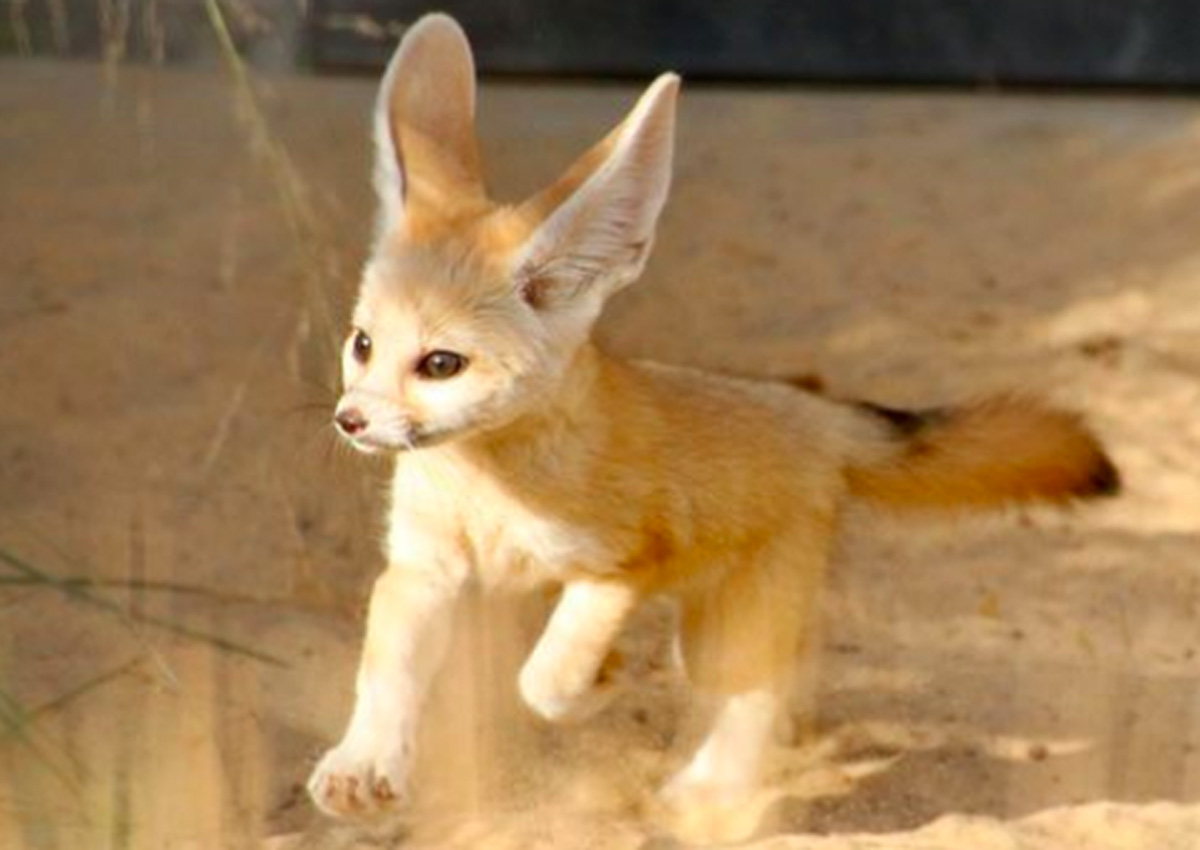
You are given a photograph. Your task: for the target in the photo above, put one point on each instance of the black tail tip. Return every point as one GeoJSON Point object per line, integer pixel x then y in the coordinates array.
{"type": "Point", "coordinates": [903, 423]}
{"type": "Point", "coordinates": [1104, 480]}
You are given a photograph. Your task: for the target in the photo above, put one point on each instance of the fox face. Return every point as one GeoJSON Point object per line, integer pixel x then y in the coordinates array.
{"type": "Point", "coordinates": [438, 349]}
{"type": "Point", "coordinates": [469, 311]}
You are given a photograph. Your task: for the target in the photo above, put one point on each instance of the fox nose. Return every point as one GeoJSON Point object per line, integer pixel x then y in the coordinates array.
{"type": "Point", "coordinates": [350, 421]}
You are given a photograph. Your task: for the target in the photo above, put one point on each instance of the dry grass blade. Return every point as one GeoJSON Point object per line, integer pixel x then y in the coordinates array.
{"type": "Point", "coordinates": [67, 697]}
{"type": "Point", "coordinates": [150, 585]}
{"type": "Point", "coordinates": [317, 329]}
{"type": "Point", "coordinates": [301, 220]}
{"type": "Point", "coordinates": [16, 720]}
{"type": "Point", "coordinates": [80, 593]}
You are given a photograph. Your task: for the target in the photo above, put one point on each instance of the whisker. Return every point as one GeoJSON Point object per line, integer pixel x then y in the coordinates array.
{"type": "Point", "coordinates": [313, 383]}
{"type": "Point", "coordinates": [322, 435]}
{"type": "Point", "coordinates": [307, 407]}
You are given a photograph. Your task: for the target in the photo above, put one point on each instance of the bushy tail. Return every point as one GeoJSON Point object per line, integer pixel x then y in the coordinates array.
{"type": "Point", "coordinates": [1002, 450]}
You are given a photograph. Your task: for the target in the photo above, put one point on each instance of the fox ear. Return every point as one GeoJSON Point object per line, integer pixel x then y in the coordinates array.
{"type": "Point", "coordinates": [595, 225]}
{"type": "Point", "coordinates": [426, 156]}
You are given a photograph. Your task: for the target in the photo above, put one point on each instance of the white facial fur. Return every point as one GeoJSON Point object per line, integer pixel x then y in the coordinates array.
{"type": "Point", "coordinates": [409, 307]}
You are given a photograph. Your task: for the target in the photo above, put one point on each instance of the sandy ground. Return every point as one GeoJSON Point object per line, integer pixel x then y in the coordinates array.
{"type": "Point", "coordinates": [173, 278]}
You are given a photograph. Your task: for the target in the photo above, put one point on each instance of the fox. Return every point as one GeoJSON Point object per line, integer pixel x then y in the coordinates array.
{"type": "Point", "coordinates": [526, 456]}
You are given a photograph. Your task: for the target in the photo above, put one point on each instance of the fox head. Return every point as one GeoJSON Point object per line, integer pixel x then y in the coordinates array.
{"type": "Point", "coordinates": [470, 313]}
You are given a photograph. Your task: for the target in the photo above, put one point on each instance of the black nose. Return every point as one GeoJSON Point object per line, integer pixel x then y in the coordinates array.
{"type": "Point", "coordinates": [351, 421]}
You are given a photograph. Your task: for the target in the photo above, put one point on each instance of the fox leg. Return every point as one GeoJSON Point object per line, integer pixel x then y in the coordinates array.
{"type": "Point", "coordinates": [728, 763]}
{"type": "Point", "coordinates": [564, 677]}
{"type": "Point", "coordinates": [740, 640]}
{"type": "Point", "coordinates": [718, 796]}
{"type": "Point", "coordinates": [408, 631]}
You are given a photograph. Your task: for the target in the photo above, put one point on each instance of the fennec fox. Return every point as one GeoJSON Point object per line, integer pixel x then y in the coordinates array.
{"type": "Point", "coordinates": [525, 454]}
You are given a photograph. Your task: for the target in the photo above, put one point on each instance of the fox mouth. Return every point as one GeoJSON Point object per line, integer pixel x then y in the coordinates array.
{"type": "Point", "coordinates": [413, 439]}
{"type": "Point", "coordinates": [369, 444]}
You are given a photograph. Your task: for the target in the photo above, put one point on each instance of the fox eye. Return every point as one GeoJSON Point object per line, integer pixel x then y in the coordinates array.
{"type": "Point", "coordinates": [439, 365]}
{"type": "Point", "coordinates": [361, 346]}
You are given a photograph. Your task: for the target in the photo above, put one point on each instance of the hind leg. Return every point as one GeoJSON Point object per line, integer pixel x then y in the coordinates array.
{"type": "Point", "coordinates": [740, 641]}
{"type": "Point", "coordinates": [728, 763]}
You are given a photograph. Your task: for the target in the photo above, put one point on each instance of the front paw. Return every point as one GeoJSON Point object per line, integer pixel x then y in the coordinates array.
{"type": "Point", "coordinates": [354, 781]}
{"type": "Point", "coordinates": [566, 696]}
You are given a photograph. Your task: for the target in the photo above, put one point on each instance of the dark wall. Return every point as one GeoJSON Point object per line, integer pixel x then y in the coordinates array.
{"type": "Point", "coordinates": [973, 42]}
{"type": "Point", "coordinates": [1063, 42]}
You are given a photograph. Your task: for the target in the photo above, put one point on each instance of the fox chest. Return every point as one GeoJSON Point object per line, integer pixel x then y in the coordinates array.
{"type": "Point", "coordinates": [504, 541]}
{"type": "Point", "coordinates": [517, 548]}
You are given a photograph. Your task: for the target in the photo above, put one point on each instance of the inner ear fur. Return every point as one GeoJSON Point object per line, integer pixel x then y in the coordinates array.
{"type": "Point", "coordinates": [427, 156]}
{"type": "Point", "coordinates": [596, 223]}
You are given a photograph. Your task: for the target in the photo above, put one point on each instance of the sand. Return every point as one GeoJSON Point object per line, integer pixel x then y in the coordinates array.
{"type": "Point", "coordinates": [172, 282]}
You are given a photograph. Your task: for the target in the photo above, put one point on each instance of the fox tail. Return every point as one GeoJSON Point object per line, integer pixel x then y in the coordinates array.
{"type": "Point", "coordinates": [1001, 450]}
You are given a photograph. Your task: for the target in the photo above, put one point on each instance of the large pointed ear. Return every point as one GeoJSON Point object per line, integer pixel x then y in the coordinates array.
{"type": "Point", "coordinates": [426, 156]}
{"type": "Point", "coordinates": [596, 223]}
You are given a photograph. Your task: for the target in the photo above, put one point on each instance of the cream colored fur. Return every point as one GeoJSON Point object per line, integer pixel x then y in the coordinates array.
{"type": "Point", "coordinates": [548, 462]}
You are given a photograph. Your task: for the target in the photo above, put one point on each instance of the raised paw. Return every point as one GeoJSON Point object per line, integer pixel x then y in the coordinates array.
{"type": "Point", "coordinates": [563, 696]}
{"type": "Point", "coordinates": [351, 782]}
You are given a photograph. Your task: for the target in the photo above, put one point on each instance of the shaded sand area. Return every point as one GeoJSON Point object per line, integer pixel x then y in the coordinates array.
{"type": "Point", "coordinates": [185, 552]}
